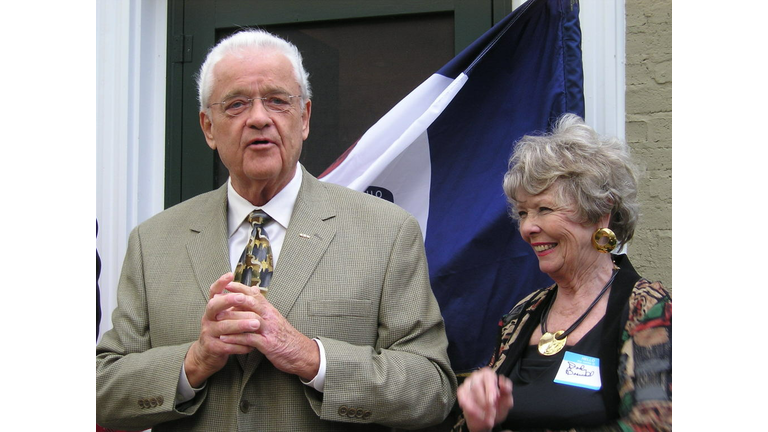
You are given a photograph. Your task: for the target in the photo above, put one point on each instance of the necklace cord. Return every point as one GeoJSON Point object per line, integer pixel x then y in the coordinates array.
{"type": "Point", "coordinates": [582, 317]}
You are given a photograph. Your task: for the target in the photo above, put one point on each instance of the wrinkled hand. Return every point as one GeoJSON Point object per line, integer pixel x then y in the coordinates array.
{"type": "Point", "coordinates": [285, 347]}
{"type": "Point", "coordinates": [485, 398]}
{"type": "Point", "coordinates": [239, 319]}
{"type": "Point", "coordinates": [225, 314]}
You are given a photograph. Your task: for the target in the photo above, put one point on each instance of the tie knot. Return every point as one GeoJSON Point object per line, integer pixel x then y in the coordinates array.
{"type": "Point", "coordinates": [258, 217]}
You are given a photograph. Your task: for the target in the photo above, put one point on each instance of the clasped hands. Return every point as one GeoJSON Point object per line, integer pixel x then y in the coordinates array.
{"type": "Point", "coordinates": [485, 399]}
{"type": "Point", "coordinates": [239, 319]}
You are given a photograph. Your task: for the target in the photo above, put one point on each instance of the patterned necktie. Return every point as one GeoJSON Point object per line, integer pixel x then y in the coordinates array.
{"type": "Point", "coordinates": [255, 265]}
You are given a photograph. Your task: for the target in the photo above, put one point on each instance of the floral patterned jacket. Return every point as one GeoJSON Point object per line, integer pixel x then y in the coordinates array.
{"type": "Point", "coordinates": [639, 319]}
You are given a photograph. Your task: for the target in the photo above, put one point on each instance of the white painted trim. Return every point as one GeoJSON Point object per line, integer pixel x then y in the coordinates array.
{"type": "Point", "coordinates": [130, 128]}
{"type": "Point", "coordinates": [604, 59]}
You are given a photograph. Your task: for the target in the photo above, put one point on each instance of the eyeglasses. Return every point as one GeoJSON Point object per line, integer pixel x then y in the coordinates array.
{"type": "Point", "coordinates": [237, 105]}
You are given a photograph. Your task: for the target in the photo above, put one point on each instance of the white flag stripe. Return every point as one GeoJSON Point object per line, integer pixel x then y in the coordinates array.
{"type": "Point", "coordinates": [408, 177]}
{"type": "Point", "coordinates": [401, 126]}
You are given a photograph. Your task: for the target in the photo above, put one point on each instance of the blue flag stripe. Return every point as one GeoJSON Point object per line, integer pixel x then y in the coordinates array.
{"type": "Point", "coordinates": [442, 152]}
{"type": "Point", "coordinates": [518, 83]}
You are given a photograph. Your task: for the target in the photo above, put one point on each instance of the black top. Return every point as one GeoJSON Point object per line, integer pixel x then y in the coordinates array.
{"type": "Point", "coordinates": [612, 326]}
{"type": "Point", "coordinates": [541, 403]}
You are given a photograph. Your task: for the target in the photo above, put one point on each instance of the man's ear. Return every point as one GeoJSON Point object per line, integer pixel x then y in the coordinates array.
{"type": "Point", "coordinates": [305, 118]}
{"type": "Point", "coordinates": [207, 126]}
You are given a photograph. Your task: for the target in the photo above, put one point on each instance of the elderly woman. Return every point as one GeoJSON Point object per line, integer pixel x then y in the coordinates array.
{"type": "Point", "coordinates": [594, 350]}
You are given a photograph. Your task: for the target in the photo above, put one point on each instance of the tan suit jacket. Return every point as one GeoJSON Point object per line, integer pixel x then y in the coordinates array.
{"type": "Point", "coordinates": [352, 272]}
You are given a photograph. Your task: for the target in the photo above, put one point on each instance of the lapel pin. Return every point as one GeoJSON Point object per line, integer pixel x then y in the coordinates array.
{"type": "Point", "coordinates": [302, 235]}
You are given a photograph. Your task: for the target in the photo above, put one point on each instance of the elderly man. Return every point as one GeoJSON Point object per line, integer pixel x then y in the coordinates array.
{"type": "Point", "coordinates": [276, 302]}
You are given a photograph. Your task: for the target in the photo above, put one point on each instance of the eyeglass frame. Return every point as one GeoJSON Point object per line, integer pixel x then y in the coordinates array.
{"type": "Point", "coordinates": [249, 104]}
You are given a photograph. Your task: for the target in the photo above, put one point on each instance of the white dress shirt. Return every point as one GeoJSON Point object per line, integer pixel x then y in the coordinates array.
{"type": "Point", "coordinates": [279, 208]}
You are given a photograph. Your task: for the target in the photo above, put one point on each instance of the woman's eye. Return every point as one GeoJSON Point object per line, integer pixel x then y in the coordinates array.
{"type": "Point", "coordinates": [522, 214]}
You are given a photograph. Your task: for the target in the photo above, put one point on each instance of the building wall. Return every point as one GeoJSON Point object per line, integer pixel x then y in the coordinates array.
{"type": "Point", "coordinates": [649, 131]}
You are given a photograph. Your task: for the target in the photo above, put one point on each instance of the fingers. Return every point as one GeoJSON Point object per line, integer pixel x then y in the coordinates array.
{"type": "Point", "coordinates": [245, 289]}
{"type": "Point", "coordinates": [231, 310]}
{"type": "Point", "coordinates": [220, 284]}
{"type": "Point", "coordinates": [224, 314]}
{"type": "Point", "coordinates": [234, 314]}
{"type": "Point", "coordinates": [223, 302]}
{"type": "Point", "coordinates": [225, 294]}
{"type": "Point", "coordinates": [484, 400]}
{"type": "Point", "coordinates": [240, 315]}
{"type": "Point", "coordinates": [230, 316]}
{"type": "Point", "coordinates": [226, 284]}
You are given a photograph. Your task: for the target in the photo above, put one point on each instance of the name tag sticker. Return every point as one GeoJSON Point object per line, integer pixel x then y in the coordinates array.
{"type": "Point", "coordinates": [579, 371]}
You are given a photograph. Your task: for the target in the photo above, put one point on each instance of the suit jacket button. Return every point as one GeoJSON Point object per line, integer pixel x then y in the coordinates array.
{"type": "Point", "coordinates": [359, 413]}
{"type": "Point", "coordinates": [366, 415]}
{"type": "Point", "coordinates": [343, 410]}
{"type": "Point", "coordinates": [159, 400]}
{"type": "Point", "coordinates": [152, 402]}
{"type": "Point", "coordinates": [245, 406]}
{"type": "Point", "coordinates": [141, 403]}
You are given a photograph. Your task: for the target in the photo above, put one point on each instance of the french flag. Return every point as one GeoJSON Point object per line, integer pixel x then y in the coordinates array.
{"type": "Point", "coordinates": [441, 154]}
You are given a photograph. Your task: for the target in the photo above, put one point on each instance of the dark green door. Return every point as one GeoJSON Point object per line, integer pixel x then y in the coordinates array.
{"type": "Point", "coordinates": [363, 57]}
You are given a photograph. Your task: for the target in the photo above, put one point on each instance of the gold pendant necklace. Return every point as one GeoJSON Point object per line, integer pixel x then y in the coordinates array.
{"type": "Point", "coordinates": [549, 344]}
{"type": "Point", "coordinates": [552, 343]}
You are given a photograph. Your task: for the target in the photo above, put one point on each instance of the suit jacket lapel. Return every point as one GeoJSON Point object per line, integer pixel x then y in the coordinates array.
{"type": "Point", "coordinates": [306, 241]}
{"type": "Point", "coordinates": [208, 249]}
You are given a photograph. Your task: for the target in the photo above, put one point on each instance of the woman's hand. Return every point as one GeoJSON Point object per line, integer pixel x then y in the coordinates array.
{"type": "Point", "coordinates": [485, 398]}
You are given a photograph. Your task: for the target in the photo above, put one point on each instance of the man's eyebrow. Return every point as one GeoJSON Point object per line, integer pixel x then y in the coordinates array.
{"type": "Point", "coordinates": [267, 91]}
{"type": "Point", "coordinates": [231, 94]}
{"type": "Point", "coordinates": [275, 90]}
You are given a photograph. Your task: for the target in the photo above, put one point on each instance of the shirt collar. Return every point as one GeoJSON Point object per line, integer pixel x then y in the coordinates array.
{"type": "Point", "coordinates": [280, 207]}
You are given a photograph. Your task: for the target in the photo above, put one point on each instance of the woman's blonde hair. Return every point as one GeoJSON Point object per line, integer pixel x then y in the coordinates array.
{"type": "Point", "coordinates": [593, 173]}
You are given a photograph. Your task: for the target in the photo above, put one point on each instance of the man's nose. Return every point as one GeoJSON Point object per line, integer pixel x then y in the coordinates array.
{"type": "Point", "coordinates": [258, 116]}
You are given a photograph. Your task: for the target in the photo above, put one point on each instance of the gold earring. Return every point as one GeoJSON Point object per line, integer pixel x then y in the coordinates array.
{"type": "Point", "coordinates": [610, 243]}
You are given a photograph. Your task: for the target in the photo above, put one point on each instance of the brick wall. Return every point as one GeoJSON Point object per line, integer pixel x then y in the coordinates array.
{"type": "Point", "coordinates": [649, 131]}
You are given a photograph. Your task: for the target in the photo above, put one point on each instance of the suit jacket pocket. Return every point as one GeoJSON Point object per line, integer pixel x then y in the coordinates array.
{"type": "Point", "coordinates": [340, 307]}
